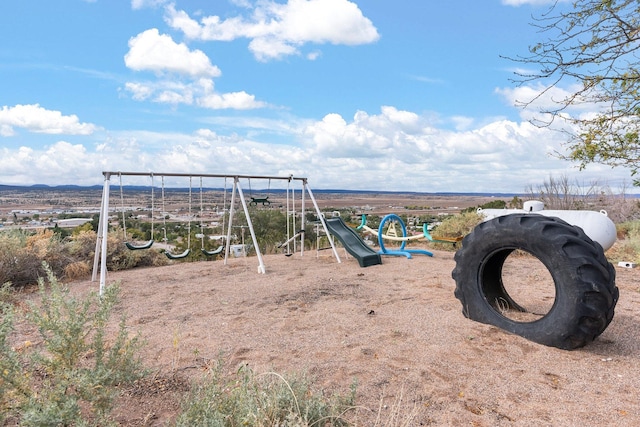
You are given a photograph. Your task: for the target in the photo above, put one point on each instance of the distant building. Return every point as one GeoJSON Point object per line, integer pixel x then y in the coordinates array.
{"type": "Point", "coordinates": [72, 222]}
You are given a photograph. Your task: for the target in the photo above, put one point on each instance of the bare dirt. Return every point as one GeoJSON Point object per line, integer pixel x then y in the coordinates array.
{"type": "Point", "coordinates": [395, 328]}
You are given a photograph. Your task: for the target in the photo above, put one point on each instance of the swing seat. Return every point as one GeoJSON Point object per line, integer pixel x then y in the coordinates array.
{"type": "Point", "coordinates": [213, 252]}
{"type": "Point", "coordinates": [264, 200]}
{"type": "Point", "coordinates": [178, 256]}
{"type": "Point", "coordinates": [133, 247]}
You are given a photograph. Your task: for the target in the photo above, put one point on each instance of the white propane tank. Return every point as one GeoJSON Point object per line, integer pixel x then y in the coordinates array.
{"type": "Point", "coordinates": [533, 206]}
{"type": "Point", "coordinates": [596, 225]}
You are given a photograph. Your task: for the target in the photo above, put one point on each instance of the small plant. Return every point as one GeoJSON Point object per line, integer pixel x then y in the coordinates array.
{"type": "Point", "coordinates": [7, 297]}
{"type": "Point", "coordinates": [249, 399]}
{"type": "Point", "coordinates": [70, 376]}
{"type": "Point", "coordinates": [176, 350]}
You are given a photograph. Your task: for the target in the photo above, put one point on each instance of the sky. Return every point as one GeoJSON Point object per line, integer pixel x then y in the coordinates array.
{"type": "Point", "coordinates": [403, 95]}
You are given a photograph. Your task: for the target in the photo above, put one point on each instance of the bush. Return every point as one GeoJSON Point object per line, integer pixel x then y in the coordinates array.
{"type": "Point", "coordinates": [455, 226]}
{"type": "Point", "coordinates": [121, 258]}
{"type": "Point", "coordinates": [70, 376]}
{"type": "Point", "coordinates": [83, 245]}
{"type": "Point", "coordinates": [261, 400]}
{"type": "Point", "coordinates": [22, 254]}
{"type": "Point", "coordinates": [627, 247]}
{"type": "Point", "coordinates": [494, 204]}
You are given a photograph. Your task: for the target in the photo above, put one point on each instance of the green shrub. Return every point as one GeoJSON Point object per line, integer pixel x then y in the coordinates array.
{"type": "Point", "coordinates": [11, 379]}
{"type": "Point", "coordinates": [455, 226]}
{"type": "Point", "coordinates": [249, 399]}
{"type": "Point", "coordinates": [627, 247]}
{"type": "Point", "coordinates": [8, 296]}
{"type": "Point", "coordinates": [70, 376]}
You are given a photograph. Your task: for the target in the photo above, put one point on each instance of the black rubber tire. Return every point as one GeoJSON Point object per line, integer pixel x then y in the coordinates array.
{"type": "Point", "coordinates": [585, 290]}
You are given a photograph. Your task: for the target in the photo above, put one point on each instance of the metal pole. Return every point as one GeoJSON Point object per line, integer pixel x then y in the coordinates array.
{"type": "Point", "coordinates": [231, 212]}
{"type": "Point", "coordinates": [253, 234]}
{"type": "Point", "coordinates": [204, 175]}
{"type": "Point", "coordinates": [303, 220]}
{"type": "Point", "coordinates": [105, 231]}
{"type": "Point", "coordinates": [96, 252]}
{"type": "Point", "coordinates": [293, 218]}
{"type": "Point", "coordinates": [287, 216]}
{"type": "Point", "coordinates": [322, 221]}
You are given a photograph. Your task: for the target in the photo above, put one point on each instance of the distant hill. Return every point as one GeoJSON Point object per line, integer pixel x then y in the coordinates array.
{"type": "Point", "coordinates": [40, 187]}
{"type": "Point", "coordinates": [71, 187]}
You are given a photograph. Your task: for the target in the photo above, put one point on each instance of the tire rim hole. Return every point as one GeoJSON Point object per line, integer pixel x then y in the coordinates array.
{"type": "Point", "coordinates": [529, 284]}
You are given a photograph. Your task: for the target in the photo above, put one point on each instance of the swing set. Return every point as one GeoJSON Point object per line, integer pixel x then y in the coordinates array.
{"type": "Point", "coordinates": [100, 257]}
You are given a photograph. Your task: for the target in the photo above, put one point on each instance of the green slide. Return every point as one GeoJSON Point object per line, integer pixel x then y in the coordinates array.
{"type": "Point", "coordinates": [353, 243]}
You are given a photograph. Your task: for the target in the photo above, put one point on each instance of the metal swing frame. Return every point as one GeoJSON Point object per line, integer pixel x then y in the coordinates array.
{"type": "Point", "coordinates": [100, 257]}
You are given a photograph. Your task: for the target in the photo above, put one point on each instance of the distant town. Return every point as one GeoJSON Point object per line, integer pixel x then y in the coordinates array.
{"type": "Point", "coordinates": [72, 206]}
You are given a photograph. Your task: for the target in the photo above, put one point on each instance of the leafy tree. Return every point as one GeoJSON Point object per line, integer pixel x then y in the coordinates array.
{"type": "Point", "coordinates": [95, 222]}
{"type": "Point", "coordinates": [270, 228]}
{"type": "Point", "coordinates": [516, 203]}
{"type": "Point", "coordinates": [594, 43]}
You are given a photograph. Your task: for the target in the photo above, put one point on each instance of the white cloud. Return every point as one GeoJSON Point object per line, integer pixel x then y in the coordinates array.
{"type": "Point", "coordinates": [540, 98]}
{"type": "Point", "coordinates": [27, 165]}
{"type": "Point", "coordinates": [141, 4]}
{"type": "Point", "coordinates": [390, 150]}
{"type": "Point", "coordinates": [401, 147]}
{"type": "Point", "coordinates": [191, 82]}
{"type": "Point", "coordinates": [200, 93]}
{"type": "Point", "coordinates": [312, 56]}
{"type": "Point", "coordinates": [152, 51]}
{"type": "Point", "coordinates": [139, 91]}
{"type": "Point", "coordinates": [207, 138]}
{"type": "Point", "coordinates": [426, 79]}
{"type": "Point", "coordinates": [234, 100]}
{"type": "Point", "coordinates": [36, 119]}
{"type": "Point", "coordinates": [277, 30]}
{"type": "Point", "coordinates": [462, 123]}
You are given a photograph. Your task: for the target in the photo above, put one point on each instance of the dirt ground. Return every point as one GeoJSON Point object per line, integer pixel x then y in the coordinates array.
{"type": "Point", "coordinates": [395, 328]}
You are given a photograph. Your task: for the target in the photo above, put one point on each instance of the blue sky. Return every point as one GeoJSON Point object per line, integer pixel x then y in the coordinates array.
{"type": "Point", "coordinates": [353, 94]}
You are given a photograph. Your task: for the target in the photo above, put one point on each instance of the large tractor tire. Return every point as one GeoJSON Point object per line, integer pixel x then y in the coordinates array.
{"type": "Point", "coordinates": [585, 290]}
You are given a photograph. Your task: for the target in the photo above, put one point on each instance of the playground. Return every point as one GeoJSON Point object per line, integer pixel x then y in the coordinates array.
{"type": "Point", "coordinates": [392, 328]}
{"type": "Point", "coordinates": [395, 328]}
